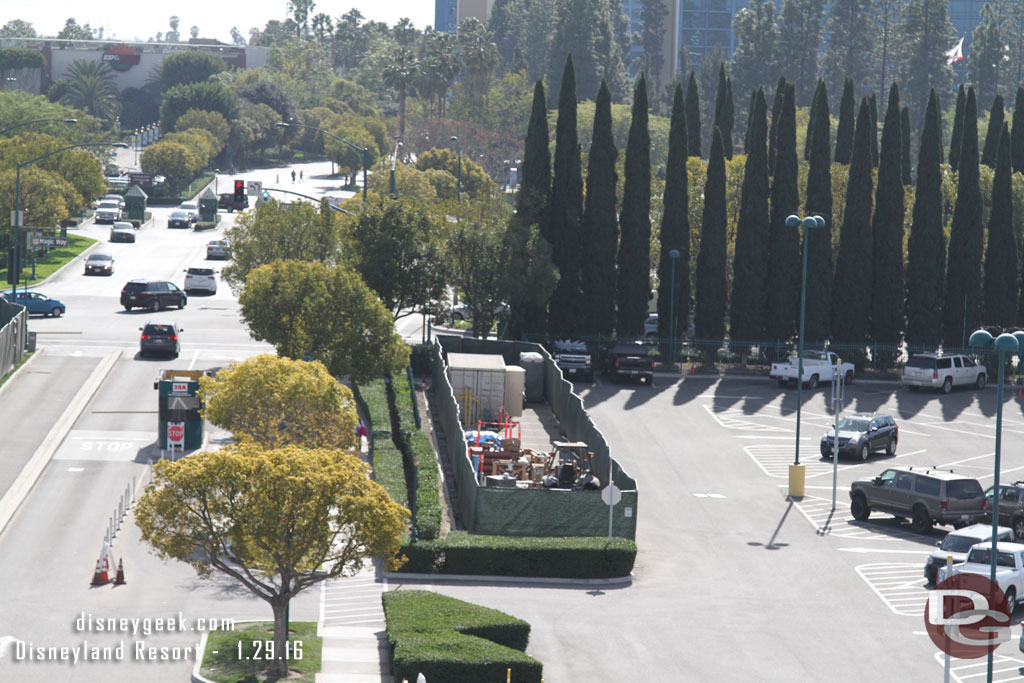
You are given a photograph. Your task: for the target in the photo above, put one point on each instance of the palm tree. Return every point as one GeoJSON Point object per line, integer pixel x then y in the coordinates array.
{"type": "Point", "coordinates": [91, 88]}
{"type": "Point", "coordinates": [400, 70]}
{"type": "Point", "coordinates": [301, 9]}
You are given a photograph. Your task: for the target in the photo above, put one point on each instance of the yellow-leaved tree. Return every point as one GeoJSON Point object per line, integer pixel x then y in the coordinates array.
{"type": "Point", "coordinates": [278, 521]}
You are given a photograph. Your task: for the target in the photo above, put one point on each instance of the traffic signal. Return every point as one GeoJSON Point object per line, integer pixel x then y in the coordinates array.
{"type": "Point", "coordinates": [239, 191]}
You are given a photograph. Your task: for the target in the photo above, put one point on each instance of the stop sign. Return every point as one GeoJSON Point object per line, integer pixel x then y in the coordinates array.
{"type": "Point", "coordinates": [175, 433]}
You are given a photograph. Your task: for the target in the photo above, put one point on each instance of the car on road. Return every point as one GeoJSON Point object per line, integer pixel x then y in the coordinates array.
{"type": "Point", "coordinates": [99, 264]}
{"type": "Point", "coordinates": [630, 360]}
{"type": "Point", "coordinates": [228, 203]}
{"type": "Point", "coordinates": [200, 278]}
{"type": "Point", "coordinates": [152, 294]}
{"type": "Point", "coordinates": [216, 249]}
{"type": "Point", "coordinates": [160, 336]}
{"type": "Point", "coordinates": [192, 209]}
{"type": "Point", "coordinates": [1011, 507]}
{"type": "Point", "coordinates": [818, 366]}
{"type": "Point", "coordinates": [122, 231]}
{"type": "Point", "coordinates": [860, 435]}
{"type": "Point", "coordinates": [37, 303]}
{"type": "Point", "coordinates": [926, 496]}
{"type": "Point", "coordinates": [958, 543]}
{"type": "Point", "coordinates": [939, 371]}
{"type": "Point", "coordinates": [108, 211]}
{"type": "Point", "coordinates": [114, 197]}
{"type": "Point", "coordinates": [179, 219]}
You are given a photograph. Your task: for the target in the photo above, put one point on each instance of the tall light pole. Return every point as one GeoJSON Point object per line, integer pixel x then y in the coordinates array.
{"type": "Point", "coordinates": [365, 152]}
{"type": "Point", "coordinates": [25, 123]}
{"type": "Point", "coordinates": [458, 183]}
{"type": "Point", "coordinates": [673, 256]}
{"type": "Point", "coordinates": [796, 470]}
{"type": "Point", "coordinates": [392, 190]}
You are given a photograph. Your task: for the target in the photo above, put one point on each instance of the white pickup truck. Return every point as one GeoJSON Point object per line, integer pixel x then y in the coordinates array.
{"type": "Point", "coordinates": [1009, 568]}
{"type": "Point", "coordinates": [818, 367]}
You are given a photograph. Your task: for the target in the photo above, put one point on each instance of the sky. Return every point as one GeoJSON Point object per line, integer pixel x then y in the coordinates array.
{"type": "Point", "coordinates": [142, 20]}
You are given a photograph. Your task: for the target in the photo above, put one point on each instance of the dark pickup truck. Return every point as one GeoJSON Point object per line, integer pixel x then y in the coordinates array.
{"type": "Point", "coordinates": [630, 360]}
{"type": "Point", "coordinates": [228, 203]}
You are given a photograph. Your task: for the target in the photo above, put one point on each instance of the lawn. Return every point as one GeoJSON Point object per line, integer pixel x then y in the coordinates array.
{"type": "Point", "coordinates": [221, 661]}
{"type": "Point", "coordinates": [48, 264]}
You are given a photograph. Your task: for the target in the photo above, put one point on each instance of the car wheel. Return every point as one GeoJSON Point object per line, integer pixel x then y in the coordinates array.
{"type": "Point", "coordinates": [947, 386]}
{"type": "Point", "coordinates": [1018, 527]}
{"type": "Point", "coordinates": [127, 308]}
{"type": "Point", "coordinates": [859, 508]}
{"type": "Point", "coordinates": [890, 449]}
{"type": "Point", "coordinates": [182, 301]}
{"type": "Point", "coordinates": [865, 451]}
{"type": "Point", "coordinates": [156, 304]}
{"type": "Point", "coordinates": [980, 382]}
{"type": "Point", "coordinates": [1011, 598]}
{"type": "Point", "coordinates": [813, 382]}
{"type": "Point", "coordinates": [782, 381]}
{"type": "Point", "coordinates": [57, 311]}
{"type": "Point", "coordinates": [848, 378]}
{"type": "Point", "coordinates": [921, 522]}
{"type": "Point", "coordinates": [142, 354]}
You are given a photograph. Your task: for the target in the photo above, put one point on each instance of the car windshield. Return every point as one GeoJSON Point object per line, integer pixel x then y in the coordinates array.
{"type": "Point", "coordinates": [188, 207]}
{"type": "Point", "coordinates": [853, 424]}
{"type": "Point", "coordinates": [963, 488]}
{"type": "Point", "coordinates": [178, 214]}
{"type": "Point", "coordinates": [158, 330]}
{"type": "Point", "coordinates": [109, 204]}
{"type": "Point", "coordinates": [924, 362]}
{"type": "Point", "coordinates": [959, 544]}
{"type": "Point", "coordinates": [200, 271]}
{"type": "Point", "coordinates": [100, 257]}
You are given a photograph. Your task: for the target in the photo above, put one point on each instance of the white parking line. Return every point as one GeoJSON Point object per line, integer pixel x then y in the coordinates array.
{"type": "Point", "coordinates": [895, 594]}
{"type": "Point", "coordinates": [1004, 668]}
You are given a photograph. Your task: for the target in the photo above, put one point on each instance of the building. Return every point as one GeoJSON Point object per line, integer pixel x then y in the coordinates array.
{"type": "Point", "coordinates": [448, 14]}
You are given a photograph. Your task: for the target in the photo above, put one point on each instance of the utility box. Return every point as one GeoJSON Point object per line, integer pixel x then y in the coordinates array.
{"type": "Point", "coordinates": [478, 382]}
{"type": "Point", "coordinates": [208, 206]}
{"type": "Point", "coordinates": [533, 385]}
{"type": "Point", "coordinates": [179, 424]}
{"type": "Point", "coordinates": [135, 204]}
{"type": "Point", "coordinates": [515, 377]}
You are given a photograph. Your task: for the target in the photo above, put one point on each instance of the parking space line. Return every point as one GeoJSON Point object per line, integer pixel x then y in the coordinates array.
{"type": "Point", "coordinates": [899, 600]}
{"type": "Point", "coordinates": [962, 670]}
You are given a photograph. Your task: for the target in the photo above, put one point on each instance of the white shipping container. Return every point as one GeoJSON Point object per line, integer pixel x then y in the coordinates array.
{"type": "Point", "coordinates": [483, 375]}
{"type": "Point", "coordinates": [515, 378]}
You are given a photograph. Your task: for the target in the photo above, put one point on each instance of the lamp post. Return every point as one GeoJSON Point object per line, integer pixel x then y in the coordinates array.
{"type": "Point", "coordinates": [394, 159]}
{"type": "Point", "coordinates": [18, 223]}
{"type": "Point", "coordinates": [458, 183]}
{"type": "Point", "coordinates": [673, 256]}
{"type": "Point", "coordinates": [365, 152]}
{"type": "Point", "coordinates": [25, 123]}
{"type": "Point", "coordinates": [796, 470]}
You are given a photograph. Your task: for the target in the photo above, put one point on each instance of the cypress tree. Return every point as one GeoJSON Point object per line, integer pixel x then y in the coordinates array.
{"type": "Point", "coordinates": [750, 117]}
{"type": "Point", "coordinates": [874, 130]}
{"type": "Point", "coordinates": [750, 268]}
{"type": "Point", "coordinates": [1017, 133]}
{"type": "Point", "coordinates": [566, 211]}
{"type": "Point", "coordinates": [905, 145]}
{"type": "Point", "coordinates": [600, 223]}
{"type": "Point", "coordinates": [1002, 261]}
{"type": "Point", "coordinates": [956, 139]}
{"type": "Point", "coordinates": [783, 292]}
{"type": "Point", "coordinates": [780, 95]}
{"type": "Point", "coordinates": [693, 116]}
{"type": "Point", "coordinates": [926, 246]}
{"type": "Point", "coordinates": [810, 122]}
{"type": "Point", "coordinates": [844, 130]}
{"type": "Point", "coordinates": [709, 311]}
{"type": "Point", "coordinates": [675, 228]}
{"type": "Point", "coordinates": [531, 209]}
{"type": "Point", "coordinates": [887, 232]}
{"type": "Point", "coordinates": [729, 118]}
{"type": "Point", "coordinates": [961, 307]}
{"type": "Point", "coordinates": [819, 202]}
{"type": "Point", "coordinates": [720, 106]}
{"type": "Point", "coordinates": [634, 258]}
{"type": "Point", "coordinates": [851, 304]}
{"type": "Point", "coordinates": [995, 127]}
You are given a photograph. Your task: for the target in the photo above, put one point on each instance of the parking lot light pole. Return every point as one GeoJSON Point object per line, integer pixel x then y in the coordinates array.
{"type": "Point", "coordinates": [673, 256]}
{"type": "Point", "coordinates": [796, 470]}
{"type": "Point", "coordinates": [365, 152]}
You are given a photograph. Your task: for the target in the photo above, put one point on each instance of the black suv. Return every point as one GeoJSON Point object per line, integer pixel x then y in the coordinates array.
{"type": "Point", "coordinates": [152, 294]}
{"type": "Point", "coordinates": [859, 435]}
{"type": "Point", "coordinates": [630, 360]}
{"type": "Point", "coordinates": [228, 202]}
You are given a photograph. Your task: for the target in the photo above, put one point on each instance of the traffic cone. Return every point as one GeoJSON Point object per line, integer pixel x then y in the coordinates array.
{"type": "Point", "coordinates": [99, 577]}
{"type": "Point", "coordinates": [119, 579]}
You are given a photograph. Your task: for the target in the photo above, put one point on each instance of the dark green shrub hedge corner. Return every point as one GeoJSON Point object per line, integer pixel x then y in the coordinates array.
{"type": "Point", "coordinates": [454, 641]}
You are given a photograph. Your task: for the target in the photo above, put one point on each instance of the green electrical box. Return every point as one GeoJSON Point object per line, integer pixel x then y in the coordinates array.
{"type": "Point", "coordinates": [208, 207]}
{"type": "Point", "coordinates": [179, 424]}
{"type": "Point", "coordinates": [135, 204]}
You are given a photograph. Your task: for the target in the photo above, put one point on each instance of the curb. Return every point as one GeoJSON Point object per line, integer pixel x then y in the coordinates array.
{"type": "Point", "coordinates": [399, 577]}
{"type": "Point", "coordinates": [198, 677]}
{"type": "Point", "coordinates": [60, 270]}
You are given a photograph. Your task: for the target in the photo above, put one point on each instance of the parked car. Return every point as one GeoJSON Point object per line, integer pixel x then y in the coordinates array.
{"type": "Point", "coordinates": [37, 303]}
{"type": "Point", "coordinates": [1009, 568]}
{"type": "Point", "coordinates": [630, 360]}
{"type": "Point", "coordinates": [1011, 507]}
{"type": "Point", "coordinates": [192, 209]}
{"type": "Point", "coordinates": [200, 278]}
{"type": "Point", "coordinates": [152, 294]}
{"type": "Point", "coordinates": [227, 202]}
{"type": "Point", "coordinates": [121, 231]}
{"type": "Point", "coordinates": [108, 211]}
{"type": "Point", "coordinates": [99, 264]}
{"type": "Point", "coordinates": [216, 249]}
{"type": "Point", "coordinates": [160, 336]}
{"type": "Point", "coordinates": [574, 360]}
{"type": "Point", "coordinates": [114, 197]}
{"type": "Point", "coordinates": [651, 325]}
{"type": "Point", "coordinates": [926, 496]}
{"type": "Point", "coordinates": [179, 219]}
{"type": "Point", "coordinates": [818, 366]}
{"type": "Point", "coordinates": [958, 543]}
{"type": "Point", "coordinates": [935, 371]}
{"type": "Point", "coordinates": [860, 435]}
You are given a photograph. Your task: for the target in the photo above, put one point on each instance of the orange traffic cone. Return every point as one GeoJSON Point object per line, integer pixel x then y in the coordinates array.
{"type": "Point", "coordinates": [119, 579]}
{"type": "Point", "coordinates": [99, 577]}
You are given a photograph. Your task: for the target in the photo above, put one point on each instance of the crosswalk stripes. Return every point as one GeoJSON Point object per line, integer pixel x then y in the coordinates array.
{"type": "Point", "coordinates": [352, 625]}
{"type": "Point", "coordinates": [738, 420]}
{"type": "Point", "coordinates": [353, 601]}
{"type": "Point", "coordinates": [818, 511]}
{"type": "Point", "coordinates": [774, 460]}
{"type": "Point", "coordinates": [900, 585]}
{"type": "Point", "coordinates": [1004, 668]}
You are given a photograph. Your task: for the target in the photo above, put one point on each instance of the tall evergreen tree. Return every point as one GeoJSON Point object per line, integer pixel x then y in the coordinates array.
{"type": "Point", "coordinates": [750, 117]}
{"type": "Point", "coordinates": [1002, 259]}
{"type": "Point", "coordinates": [724, 111]}
{"type": "Point", "coordinates": [926, 246]}
{"type": "Point", "coordinates": [995, 127]}
{"type": "Point", "coordinates": [819, 240]}
{"type": "Point", "coordinates": [844, 131]}
{"type": "Point", "coordinates": [634, 258]}
{"type": "Point", "coordinates": [956, 139]}
{"type": "Point", "coordinates": [802, 24]}
{"type": "Point", "coordinates": [755, 60]}
{"type": "Point", "coordinates": [887, 232]}
{"type": "Point", "coordinates": [851, 300]}
{"type": "Point", "coordinates": [905, 144]}
{"type": "Point", "coordinates": [988, 58]}
{"type": "Point", "coordinates": [780, 95]}
{"type": "Point", "coordinates": [783, 292]}
{"type": "Point", "coordinates": [873, 102]}
{"type": "Point", "coordinates": [600, 224]}
{"type": "Point", "coordinates": [886, 15]}
{"type": "Point", "coordinates": [709, 311]}
{"type": "Point", "coordinates": [525, 315]}
{"type": "Point", "coordinates": [565, 312]}
{"type": "Point", "coordinates": [924, 36]}
{"type": "Point", "coordinates": [731, 109]}
{"type": "Point", "coordinates": [810, 122]}
{"type": "Point", "coordinates": [675, 228]}
{"type": "Point", "coordinates": [750, 268]}
{"type": "Point", "coordinates": [961, 309]}
{"type": "Point", "coordinates": [1017, 133]}
{"type": "Point", "coordinates": [851, 42]}
{"type": "Point", "coordinates": [693, 115]}
{"type": "Point", "coordinates": [585, 29]}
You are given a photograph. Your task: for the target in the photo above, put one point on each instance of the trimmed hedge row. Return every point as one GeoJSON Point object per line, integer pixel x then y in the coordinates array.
{"type": "Point", "coordinates": [388, 470]}
{"type": "Point", "coordinates": [575, 557]}
{"type": "Point", "coordinates": [375, 403]}
{"type": "Point", "coordinates": [428, 492]}
{"type": "Point", "coordinates": [449, 640]}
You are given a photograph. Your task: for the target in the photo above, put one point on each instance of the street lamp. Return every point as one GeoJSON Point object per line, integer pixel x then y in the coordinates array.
{"type": "Point", "coordinates": [365, 152]}
{"type": "Point", "coordinates": [25, 123]}
{"type": "Point", "coordinates": [796, 470]}
{"type": "Point", "coordinates": [1003, 344]}
{"type": "Point", "coordinates": [394, 159]}
{"type": "Point", "coordinates": [458, 184]}
{"type": "Point", "coordinates": [673, 256]}
{"type": "Point", "coordinates": [17, 223]}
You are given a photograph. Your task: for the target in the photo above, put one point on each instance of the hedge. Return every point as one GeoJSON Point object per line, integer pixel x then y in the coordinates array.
{"type": "Point", "coordinates": [428, 492]}
{"type": "Point", "coordinates": [574, 557]}
{"type": "Point", "coordinates": [449, 640]}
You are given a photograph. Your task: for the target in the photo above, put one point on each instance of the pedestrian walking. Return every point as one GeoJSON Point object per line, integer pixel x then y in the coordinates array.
{"type": "Point", "coordinates": [293, 175]}
{"type": "Point", "coordinates": [277, 179]}
{"type": "Point", "coordinates": [360, 429]}
{"type": "Point", "coordinates": [300, 176]}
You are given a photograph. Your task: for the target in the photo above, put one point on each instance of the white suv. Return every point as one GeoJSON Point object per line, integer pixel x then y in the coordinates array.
{"type": "Point", "coordinates": [935, 371]}
{"type": "Point", "coordinates": [200, 278]}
